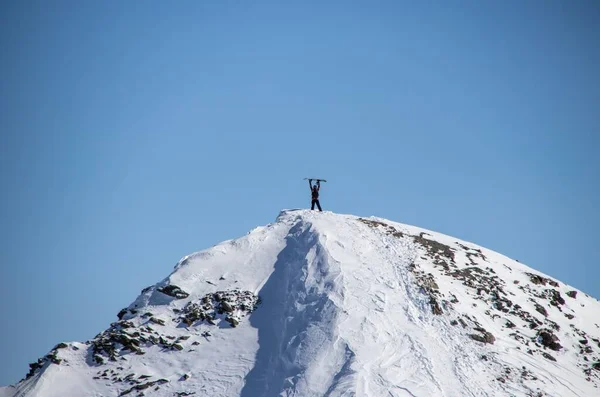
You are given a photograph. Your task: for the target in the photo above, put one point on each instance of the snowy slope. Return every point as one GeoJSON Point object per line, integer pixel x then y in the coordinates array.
{"type": "Point", "coordinates": [321, 304]}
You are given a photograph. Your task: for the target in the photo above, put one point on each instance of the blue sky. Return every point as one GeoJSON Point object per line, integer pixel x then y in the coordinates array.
{"type": "Point", "coordinates": [133, 133]}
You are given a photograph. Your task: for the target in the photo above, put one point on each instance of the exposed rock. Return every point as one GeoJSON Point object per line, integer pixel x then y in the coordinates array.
{"type": "Point", "coordinates": [226, 307]}
{"type": "Point", "coordinates": [114, 342]}
{"type": "Point", "coordinates": [53, 358]}
{"type": "Point", "coordinates": [147, 289]}
{"type": "Point", "coordinates": [541, 309]}
{"type": "Point", "coordinates": [374, 224]}
{"type": "Point", "coordinates": [157, 321]}
{"type": "Point", "coordinates": [572, 294]}
{"type": "Point", "coordinates": [50, 358]}
{"type": "Point", "coordinates": [548, 356]}
{"type": "Point", "coordinates": [435, 306]}
{"type": "Point", "coordinates": [98, 359]}
{"type": "Point", "coordinates": [539, 280]}
{"type": "Point", "coordinates": [192, 313]}
{"type": "Point", "coordinates": [174, 291]}
{"type": "Point", "coordinates": [472, 253]}
{"type": "Point", "coordinates": [555, 297]}
{"type": "Point", "coordinates": [33, 367]}
{"type": "Point", "coordinates": [61, 345]}
{"type": "Point", "coordinates": [121, 314]}
{"type": "Point", "coordinates": [143, 386]}
{"type": "Point", "coordinates": [124, 324]}
{"type": "Point", "coordinates": [548, 339]}
{"type": "Point", "coordinates": [552, 324]}
{"type": "Point", "coordinates": [229, 306]}
{"type": "Point", "coordinates": [485, 337]}
{"type": "Point", "coordinates": [434, 247]}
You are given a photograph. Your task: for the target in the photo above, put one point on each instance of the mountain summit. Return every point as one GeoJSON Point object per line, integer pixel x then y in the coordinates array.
{"type": "Point", "coordinates": [321, 304]}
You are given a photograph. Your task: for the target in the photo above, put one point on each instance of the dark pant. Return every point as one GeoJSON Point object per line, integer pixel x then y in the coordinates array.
{"type": "Point", "coordinates": [315, 201]}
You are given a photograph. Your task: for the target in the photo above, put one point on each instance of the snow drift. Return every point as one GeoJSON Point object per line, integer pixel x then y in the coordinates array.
{"type": "Point", "coordinates": [321, 304]}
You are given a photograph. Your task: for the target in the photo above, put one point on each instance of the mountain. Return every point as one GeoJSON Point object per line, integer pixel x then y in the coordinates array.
{"type": "Point", "coordinates": [321, 304]}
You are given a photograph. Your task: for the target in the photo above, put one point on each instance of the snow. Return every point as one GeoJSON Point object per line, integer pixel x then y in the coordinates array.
{"type": "Point", "coordinates": [347, 308]}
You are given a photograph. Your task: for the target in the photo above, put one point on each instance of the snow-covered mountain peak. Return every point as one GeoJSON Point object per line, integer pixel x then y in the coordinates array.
{"type": "Point", "coordinates": [322, 304]}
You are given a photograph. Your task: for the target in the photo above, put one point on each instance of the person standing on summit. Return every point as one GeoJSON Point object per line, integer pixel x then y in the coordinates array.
{"type": "Point", "coordinates": [315, 194]}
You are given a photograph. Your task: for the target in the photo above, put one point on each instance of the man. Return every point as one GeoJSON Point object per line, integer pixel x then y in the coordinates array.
{"type": "Point", "coordinates": [315, 194]}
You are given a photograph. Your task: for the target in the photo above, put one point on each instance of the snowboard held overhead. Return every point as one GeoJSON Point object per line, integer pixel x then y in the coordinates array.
{"type": "Point", "coordinates": [314, 189]}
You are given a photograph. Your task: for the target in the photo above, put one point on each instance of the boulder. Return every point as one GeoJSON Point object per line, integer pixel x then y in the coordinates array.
{"type": "Point", "coordinates": [549, 340]}
{"type": "Point", "coordinates": [121, 314]}
{"type": "Point", "coordinates": [435, 306]}
{"type": "Point", "coordinates": [226, 307]}
{"type": "Point", "coordinates": [486, 337]}
{"type": "Point", "coordinates": [233, 321]}
{"type": "Point", "coordinates": [540, 309]}
{"type": "Point", "coordinates": [174, 291]}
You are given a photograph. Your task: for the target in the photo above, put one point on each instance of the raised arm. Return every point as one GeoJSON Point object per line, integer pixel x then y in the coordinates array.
{"type": "Point", "coordinates": [318, 184]}
{"type": "Point", "coordinates": [310, 183]}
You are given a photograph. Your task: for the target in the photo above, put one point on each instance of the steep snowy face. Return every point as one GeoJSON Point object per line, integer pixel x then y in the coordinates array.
{"type": "Point", "coordinates": [320, 304]}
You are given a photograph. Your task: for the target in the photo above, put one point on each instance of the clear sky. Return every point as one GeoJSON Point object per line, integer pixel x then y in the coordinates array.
{"type": "Point", "coordinates": [133, 133]}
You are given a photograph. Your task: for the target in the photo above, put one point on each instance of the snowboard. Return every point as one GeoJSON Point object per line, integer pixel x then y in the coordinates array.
{"type": "Point", "coordinates": [315, 179]}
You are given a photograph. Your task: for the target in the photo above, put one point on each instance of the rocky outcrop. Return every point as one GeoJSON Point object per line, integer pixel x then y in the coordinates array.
{"type": "Point", "coordinates": [125, 337]}
{"type": "Point", "coordinates": [435, 248]}
{"type": "Point", "coordinates": [229, 306]}
{"type": "Point", "coordinates": [546, 338]}
{"type": "Point", "coordinates": [174, 291]}
{"type": "Point", "coordinates": [143, 386]}
{"type": "Point", "coordinates": [483, 336]}
{"type": "Point", "coordinates": [114, 341]}
{"type": "Point", "coordinates": [51, 358]}
{"type": "Point", "coordinates": [539, 280]}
